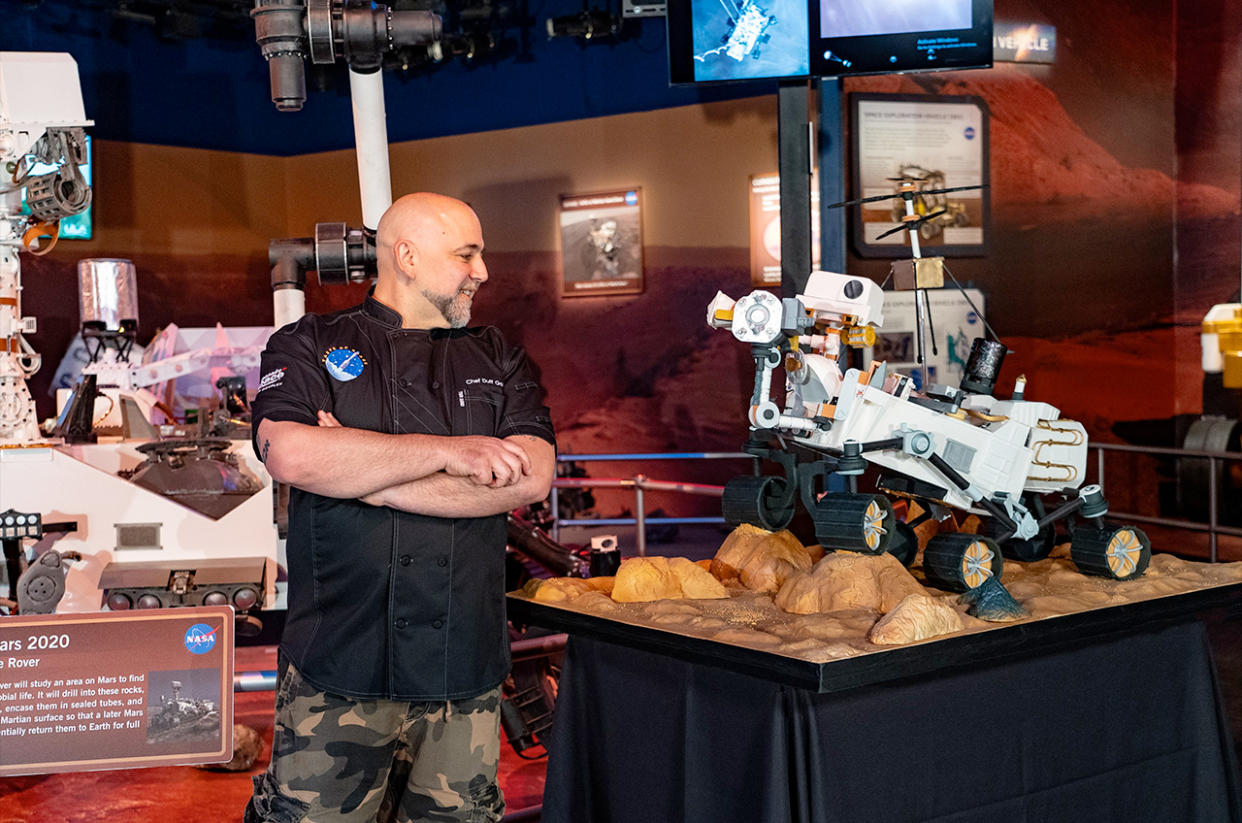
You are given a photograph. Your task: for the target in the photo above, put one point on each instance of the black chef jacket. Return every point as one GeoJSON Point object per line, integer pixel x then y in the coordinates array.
{"type": "Point", "coordinates": [383, 603]}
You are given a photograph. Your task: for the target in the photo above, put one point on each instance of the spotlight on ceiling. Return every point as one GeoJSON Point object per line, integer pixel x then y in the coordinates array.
{"type": "Point", "coordinates": [591, 24]}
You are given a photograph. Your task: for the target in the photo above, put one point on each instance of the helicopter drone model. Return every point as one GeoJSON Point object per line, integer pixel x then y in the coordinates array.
{"type": "Point", "coordinates": [944, 446]}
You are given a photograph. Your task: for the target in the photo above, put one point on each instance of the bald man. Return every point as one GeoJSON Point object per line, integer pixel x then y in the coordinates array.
{"type": "Point", "coordinates": [406, 436]}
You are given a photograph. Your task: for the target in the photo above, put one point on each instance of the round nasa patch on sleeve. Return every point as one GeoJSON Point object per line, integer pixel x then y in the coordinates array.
{"type": "Point", "coordinates": [344, 363]}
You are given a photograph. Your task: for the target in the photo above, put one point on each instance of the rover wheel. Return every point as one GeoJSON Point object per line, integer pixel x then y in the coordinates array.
{"type": "Point", "coordinates": [1029, 550]}
{"type": "Point", "coordinates": [904, 545]}
{"type": "Point", "coordinates": [855, 522]}
{"type": "Point", "coordinates": [758, 501]}
{"type": "Point", "coordinates": [961, 562]}
{"type": "Point", "coordinates": [1119, 552]}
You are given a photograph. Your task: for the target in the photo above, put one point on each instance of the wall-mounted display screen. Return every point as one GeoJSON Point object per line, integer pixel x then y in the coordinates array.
{"type": "Point", "coordinates": [890, 36]}
{"type": "Point", "coordinates": [730, 40]}
{"type": "Point", "coordinates": [720, 40]}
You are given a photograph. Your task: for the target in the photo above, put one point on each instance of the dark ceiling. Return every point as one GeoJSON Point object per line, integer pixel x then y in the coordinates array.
{"type": "Point", "coordinates": [189, 73]}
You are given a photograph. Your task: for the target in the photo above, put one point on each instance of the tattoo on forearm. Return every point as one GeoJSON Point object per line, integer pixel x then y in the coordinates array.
{"type": "Point", "coordinates": [267, 445]}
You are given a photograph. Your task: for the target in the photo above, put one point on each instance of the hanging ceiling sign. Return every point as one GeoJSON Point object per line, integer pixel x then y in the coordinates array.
{"type": "Point", "coordinates": [1024, 43]}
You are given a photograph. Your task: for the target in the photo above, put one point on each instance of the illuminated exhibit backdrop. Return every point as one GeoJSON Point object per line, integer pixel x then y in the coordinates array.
{"type": "Point", "coordinates": [765, 228]}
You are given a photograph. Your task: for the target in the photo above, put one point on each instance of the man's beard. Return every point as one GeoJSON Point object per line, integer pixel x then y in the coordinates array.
{"type": "Point", "coordinates": [455, 308]}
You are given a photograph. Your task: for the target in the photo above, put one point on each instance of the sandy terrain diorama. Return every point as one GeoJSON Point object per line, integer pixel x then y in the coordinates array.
{"type": "Point", "coordinates": [768, 592]}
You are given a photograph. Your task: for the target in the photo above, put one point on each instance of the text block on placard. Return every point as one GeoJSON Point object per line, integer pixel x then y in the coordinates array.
{"type": "Point", "coordinates": [116, 690]}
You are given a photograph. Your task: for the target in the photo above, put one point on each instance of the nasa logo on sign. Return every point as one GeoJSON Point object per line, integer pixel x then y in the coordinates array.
{"type": "Point", "coordinates": [200, 638]}
{"type": "Point", "coordinates": [969, 133]}
{"type": "Point", "coordinates": [631, 198]}
{"type": "Point", "coordinates": [972, 318]}
{"type": "Point", "coordinates": [343, 363]}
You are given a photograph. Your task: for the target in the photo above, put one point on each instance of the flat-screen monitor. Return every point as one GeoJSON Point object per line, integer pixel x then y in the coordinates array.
{"type": "Point", "coordinates": [78, 226]}
{"type": "Point", "coordinates": [730, 40]}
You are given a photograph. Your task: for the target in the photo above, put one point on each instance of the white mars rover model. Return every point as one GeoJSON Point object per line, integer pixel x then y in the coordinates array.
{"type": "Point", "coordinates": [959, 447]}
{"type": "Point", "coordinates": [141, 522]}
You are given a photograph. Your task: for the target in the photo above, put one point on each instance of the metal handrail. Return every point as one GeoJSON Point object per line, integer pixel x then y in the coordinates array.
{"type": "Point", "coordinates": [640, 484]}
{"type": "Point", "coordinates": [588, 458]}
{"type": "Point", "coordinates": [1212, 527]}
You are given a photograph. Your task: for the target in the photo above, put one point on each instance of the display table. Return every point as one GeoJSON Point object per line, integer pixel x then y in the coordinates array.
{"type": "Point", "coordinates": [1112, 726]}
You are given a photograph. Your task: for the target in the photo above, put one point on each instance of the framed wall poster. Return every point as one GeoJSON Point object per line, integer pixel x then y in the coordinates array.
{"type": "Point", "coordinates": [601, 243]}
{"type": "Point", "coordinates": [938, 142]}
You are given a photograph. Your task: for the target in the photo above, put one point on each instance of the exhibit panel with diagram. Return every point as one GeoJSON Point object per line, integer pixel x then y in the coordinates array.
{"type": "Point", "coordinates": [116, 690]}
{"type": "Point", "coordinates": [940, 147]}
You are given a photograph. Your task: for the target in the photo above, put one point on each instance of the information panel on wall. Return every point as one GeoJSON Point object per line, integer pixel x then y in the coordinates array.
{"type": "Point", "coordinates": [601, 243]}
{"type": "Point", "coordinates": [116, 690]}
{"type": "Point", "coordinates": [765, 228]}
{"type": "Point", "coordinates": [932, 143]}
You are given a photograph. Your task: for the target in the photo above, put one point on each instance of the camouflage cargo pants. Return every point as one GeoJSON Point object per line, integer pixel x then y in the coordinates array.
{"type": "Point", "coordinates": [340, 760]}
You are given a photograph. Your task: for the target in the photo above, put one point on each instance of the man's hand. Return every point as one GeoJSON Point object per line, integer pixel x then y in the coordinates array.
{"type": "Point", "coordinates": [485, 461]}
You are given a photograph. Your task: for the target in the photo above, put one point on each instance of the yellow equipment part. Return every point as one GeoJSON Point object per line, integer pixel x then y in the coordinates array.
{"type": "Point", "coordinates": [1225, 321]}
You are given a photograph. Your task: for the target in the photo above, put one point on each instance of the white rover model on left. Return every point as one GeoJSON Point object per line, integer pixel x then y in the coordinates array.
{"type": "Point", "coordinates": [945, 446]}
{"type": "Point", "coordinates": [133, 544]}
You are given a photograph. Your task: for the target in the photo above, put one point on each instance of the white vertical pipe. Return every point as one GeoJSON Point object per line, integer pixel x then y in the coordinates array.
{"type": "Point", "coordinates": [288, 305]}
{"type": "Point", "coordinates": [371, 144]}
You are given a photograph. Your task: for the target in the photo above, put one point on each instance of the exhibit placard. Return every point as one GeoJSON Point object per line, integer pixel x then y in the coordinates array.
{"type": "Point", "coordinates": [765, 228]}
{"type": "Point", "coordinates": [932, 143]}
{"type": "Point", "coordinates": [955, 323]}
{"type": "Point", "coordinates": [601, 238]}
{"type": "Point", "coordinates": [116, 690]}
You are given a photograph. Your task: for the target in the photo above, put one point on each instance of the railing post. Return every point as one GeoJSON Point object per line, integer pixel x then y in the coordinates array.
{"type": "Point", "coordinates": [556, 514]}
{"type": "Point", "coordinates": [1212, 507]}
{"type": "Point", "coordinates": [640, 515]}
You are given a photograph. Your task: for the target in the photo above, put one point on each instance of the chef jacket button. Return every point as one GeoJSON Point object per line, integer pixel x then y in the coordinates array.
{"type": "Point", "coordinates": [400, 623]}
{"type": "Point", "coordinates": [437, 624]}
{"type": "Point", "coordinates": [406, 560]}
{"type": "Point", "coordinates": [435, 384]}
{"type": "Point", "coordinates": [443, 561]}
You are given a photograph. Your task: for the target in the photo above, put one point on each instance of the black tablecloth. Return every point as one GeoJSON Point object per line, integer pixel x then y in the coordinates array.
{"type": "Point", "coordinates": [1127, 729]}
